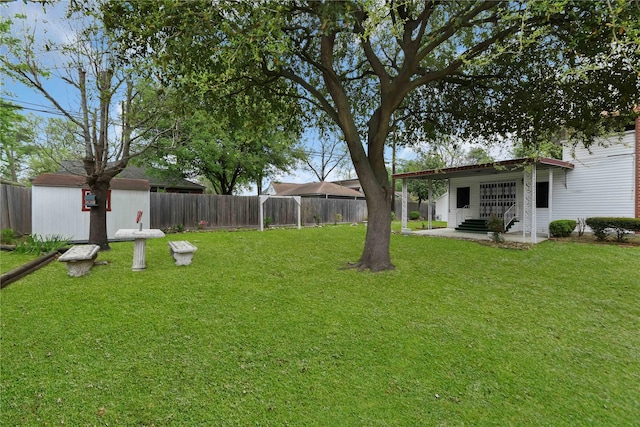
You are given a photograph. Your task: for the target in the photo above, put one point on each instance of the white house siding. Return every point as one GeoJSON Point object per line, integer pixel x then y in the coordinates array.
{"type": "Point", "coordinates": [601, 184]}
{"type": "Point", "coordinates": [58, 211]}
{"type": "Point", "coordinates": [442, 207]}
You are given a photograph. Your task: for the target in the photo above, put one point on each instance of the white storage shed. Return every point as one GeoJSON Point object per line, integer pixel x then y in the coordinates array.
{"type": "Point", "coordinates": [59, 205]}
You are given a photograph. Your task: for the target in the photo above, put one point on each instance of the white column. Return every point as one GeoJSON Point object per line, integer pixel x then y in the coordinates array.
{"type": "Point", "coordinates": [534, 219]}
{"type": "Point", "coordinates": [550, 201]}
{"type": "Point", "coordinates": [405, 230]}
{"type": "Point", "coordinates": [526, 201]}
{"type": "Point", "coordinates": [429, 214]}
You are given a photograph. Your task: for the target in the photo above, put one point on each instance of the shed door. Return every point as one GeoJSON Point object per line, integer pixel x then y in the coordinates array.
{"type": "Point", "coordinates": [496, 197]}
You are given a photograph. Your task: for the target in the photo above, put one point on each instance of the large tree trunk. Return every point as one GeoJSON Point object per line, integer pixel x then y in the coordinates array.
{"type": "Point", "coordinates": [98, 214]}
{"type": "Point", "coordinates": [376, 255]}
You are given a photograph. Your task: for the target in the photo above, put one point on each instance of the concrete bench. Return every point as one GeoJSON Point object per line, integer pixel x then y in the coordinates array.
{"type": "Point", "coordinates": [182, 251]}
{"type": "Point", "coordinates": [79, 259]}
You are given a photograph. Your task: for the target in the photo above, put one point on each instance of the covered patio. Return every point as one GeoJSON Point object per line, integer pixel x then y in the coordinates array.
{"type": "Point", "coordinates": [515, 201]}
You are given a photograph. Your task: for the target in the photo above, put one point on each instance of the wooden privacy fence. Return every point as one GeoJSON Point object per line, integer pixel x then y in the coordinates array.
{"type": "Point", "coordinates": [189, 210]}
{"type": "Point", "coordinates": [15, 208]}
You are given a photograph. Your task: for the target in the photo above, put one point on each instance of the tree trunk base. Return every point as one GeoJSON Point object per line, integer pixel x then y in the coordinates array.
{"type": "Point", "coordinates": [373, 267]}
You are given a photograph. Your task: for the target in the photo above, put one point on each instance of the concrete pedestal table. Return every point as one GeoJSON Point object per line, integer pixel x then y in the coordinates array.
{"type": "Point", "coordinates": [139, 244]}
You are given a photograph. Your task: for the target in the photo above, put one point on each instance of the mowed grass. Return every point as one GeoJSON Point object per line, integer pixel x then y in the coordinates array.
{"type": "Point", "coordinates": [267, 329]}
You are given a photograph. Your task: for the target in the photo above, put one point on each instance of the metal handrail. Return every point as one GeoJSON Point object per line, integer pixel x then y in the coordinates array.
{"type": "Point", "coordinates": [461, 211]}
{"type": "Point", "coordinates": [509, 215]}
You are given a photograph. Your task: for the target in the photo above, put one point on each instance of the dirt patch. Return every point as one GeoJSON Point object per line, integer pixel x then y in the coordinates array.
{"type": "Point", "coordinates": [505, 245]}
{"type": "Point", "coordinates": [628, 242]}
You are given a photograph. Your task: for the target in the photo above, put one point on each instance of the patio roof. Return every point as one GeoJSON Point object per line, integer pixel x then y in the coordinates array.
{"type": "Point", "coordinates": [503, 166]}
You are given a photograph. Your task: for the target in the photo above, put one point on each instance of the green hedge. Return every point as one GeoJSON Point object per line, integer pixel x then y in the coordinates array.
{"type": "Point", "coordinates": [413, 215]}
{"type": "Point", "coordinates": [622, 226]}
{"type": "Point", "coordinates": [562, 227]}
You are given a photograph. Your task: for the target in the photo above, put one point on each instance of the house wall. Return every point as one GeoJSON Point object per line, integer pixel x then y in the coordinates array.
{"type": "Point", "coordinates": [442, 207]}
{"type": "Point", "coordinates": [637, 172]}
{"type": "Point", "coordinates": [602, 182]}
{"type": "Point", "coordinates": [454, 217]}
{"type": "Point", "coordinates": [58, 211]}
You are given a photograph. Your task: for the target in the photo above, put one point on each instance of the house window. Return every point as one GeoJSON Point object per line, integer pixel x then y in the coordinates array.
{"type": "Point", "coordinates": [89, 200]}
{"type": "Point", "coordinates": [542, 194]}
{"type": "Point", "coordinates": [463, 196]}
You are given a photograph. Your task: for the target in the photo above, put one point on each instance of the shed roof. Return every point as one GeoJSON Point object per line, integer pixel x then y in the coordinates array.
{"type": "Point", "coordinates": [322, 188]}
{"type": "Point", "coordinates": [77, 181]}
{"type": "Point", "coordinates": [485, 168]}
{"type": "Point", "coordinates": [134, 172]}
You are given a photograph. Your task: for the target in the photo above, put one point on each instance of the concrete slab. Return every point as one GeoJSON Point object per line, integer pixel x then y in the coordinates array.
{"type": "Point", "coordinates": [452, 233]}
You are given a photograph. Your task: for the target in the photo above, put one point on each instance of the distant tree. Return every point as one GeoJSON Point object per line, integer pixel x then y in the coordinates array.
{"type": "Point", "coordinates": [477, 156]}
{"type": "Point", "coordinates": [16, 141]}
{"type": "Point", "coordinates": [231, 140]}
{"type": "Point", "coordinates": [328, 154]}
{"type": "Point", "coordinates": [419, 188]}
{"type": "Point", "coordinates": [102, 85]}
{"type": "Point", "coordinates": [57, 141]}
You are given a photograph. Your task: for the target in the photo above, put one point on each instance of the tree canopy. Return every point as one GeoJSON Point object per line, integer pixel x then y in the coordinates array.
{"type": "Point", "coordinates": [232, 141]}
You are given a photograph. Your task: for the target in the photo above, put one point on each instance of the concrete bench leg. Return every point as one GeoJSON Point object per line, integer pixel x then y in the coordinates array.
{"type": "Point", "coordinates": [79, 268]}
{"type": "Point", "coordinates": [183, 259]}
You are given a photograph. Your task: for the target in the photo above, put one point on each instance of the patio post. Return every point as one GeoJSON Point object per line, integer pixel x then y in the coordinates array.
{"type": "Point", "coordinates": [429, 214]}
{"type": "Point", "coordinates": [405, 230]}
{"type": "Point", "coordinates": [550, 201]}
{"type": "Point", "coordinates": [534, 180]}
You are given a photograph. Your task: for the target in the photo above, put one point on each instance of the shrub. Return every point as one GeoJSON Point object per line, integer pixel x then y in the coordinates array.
{"type": "Point", "coordinates": [622, 226]}
{"type": "Point", "coordinates": [37, 245]}
{"type": "Point", "coordinates": [8, 236]}
{"type": "Point", "coordinates": [562, 227]}
{"type": "Point", "coordinates": [495, 224]}
{"type": "Point", "coordinates": [414, 215]}
{"type": "Point", "coordinates": [267, 222]}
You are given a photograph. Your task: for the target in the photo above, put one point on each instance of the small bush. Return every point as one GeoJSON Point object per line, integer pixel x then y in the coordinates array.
{"type": "Point", "coordinates": [414, 215]}
{"type": "Point", "coordinates": [622, 226]}
{"type": "Point", "coordinates": [38, 245]}
{"type": "Point", "coordinates": [495, 224]}
{"type": "Point", "coordinates": [267, 222]}
{"type": "Point", "coordinates": [8, 236]}
{"type": "Point", "coordinates": [562, 227]}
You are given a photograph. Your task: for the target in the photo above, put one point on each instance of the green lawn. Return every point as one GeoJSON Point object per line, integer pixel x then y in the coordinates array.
{"type": "Point", "coordinates": [266, 329]}
{"type": "Point", "coordinates": [9, 260]}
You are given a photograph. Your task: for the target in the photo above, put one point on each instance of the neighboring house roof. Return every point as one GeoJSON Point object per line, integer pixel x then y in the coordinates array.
{"type": "Point", "coordinates": [485, 168]}
{"type": "Point", "coordinates": [61, 180]}
{"type": "Point", "coordinates": [75, 167]}
{"type": "Point", "coordinates": [314, 189]}
{"type": "Point", "coordinates": [353, 183]}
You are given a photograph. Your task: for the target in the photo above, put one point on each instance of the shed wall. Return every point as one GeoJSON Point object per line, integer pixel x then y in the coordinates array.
{"type": "Point", "coordinates": [58, 211]}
